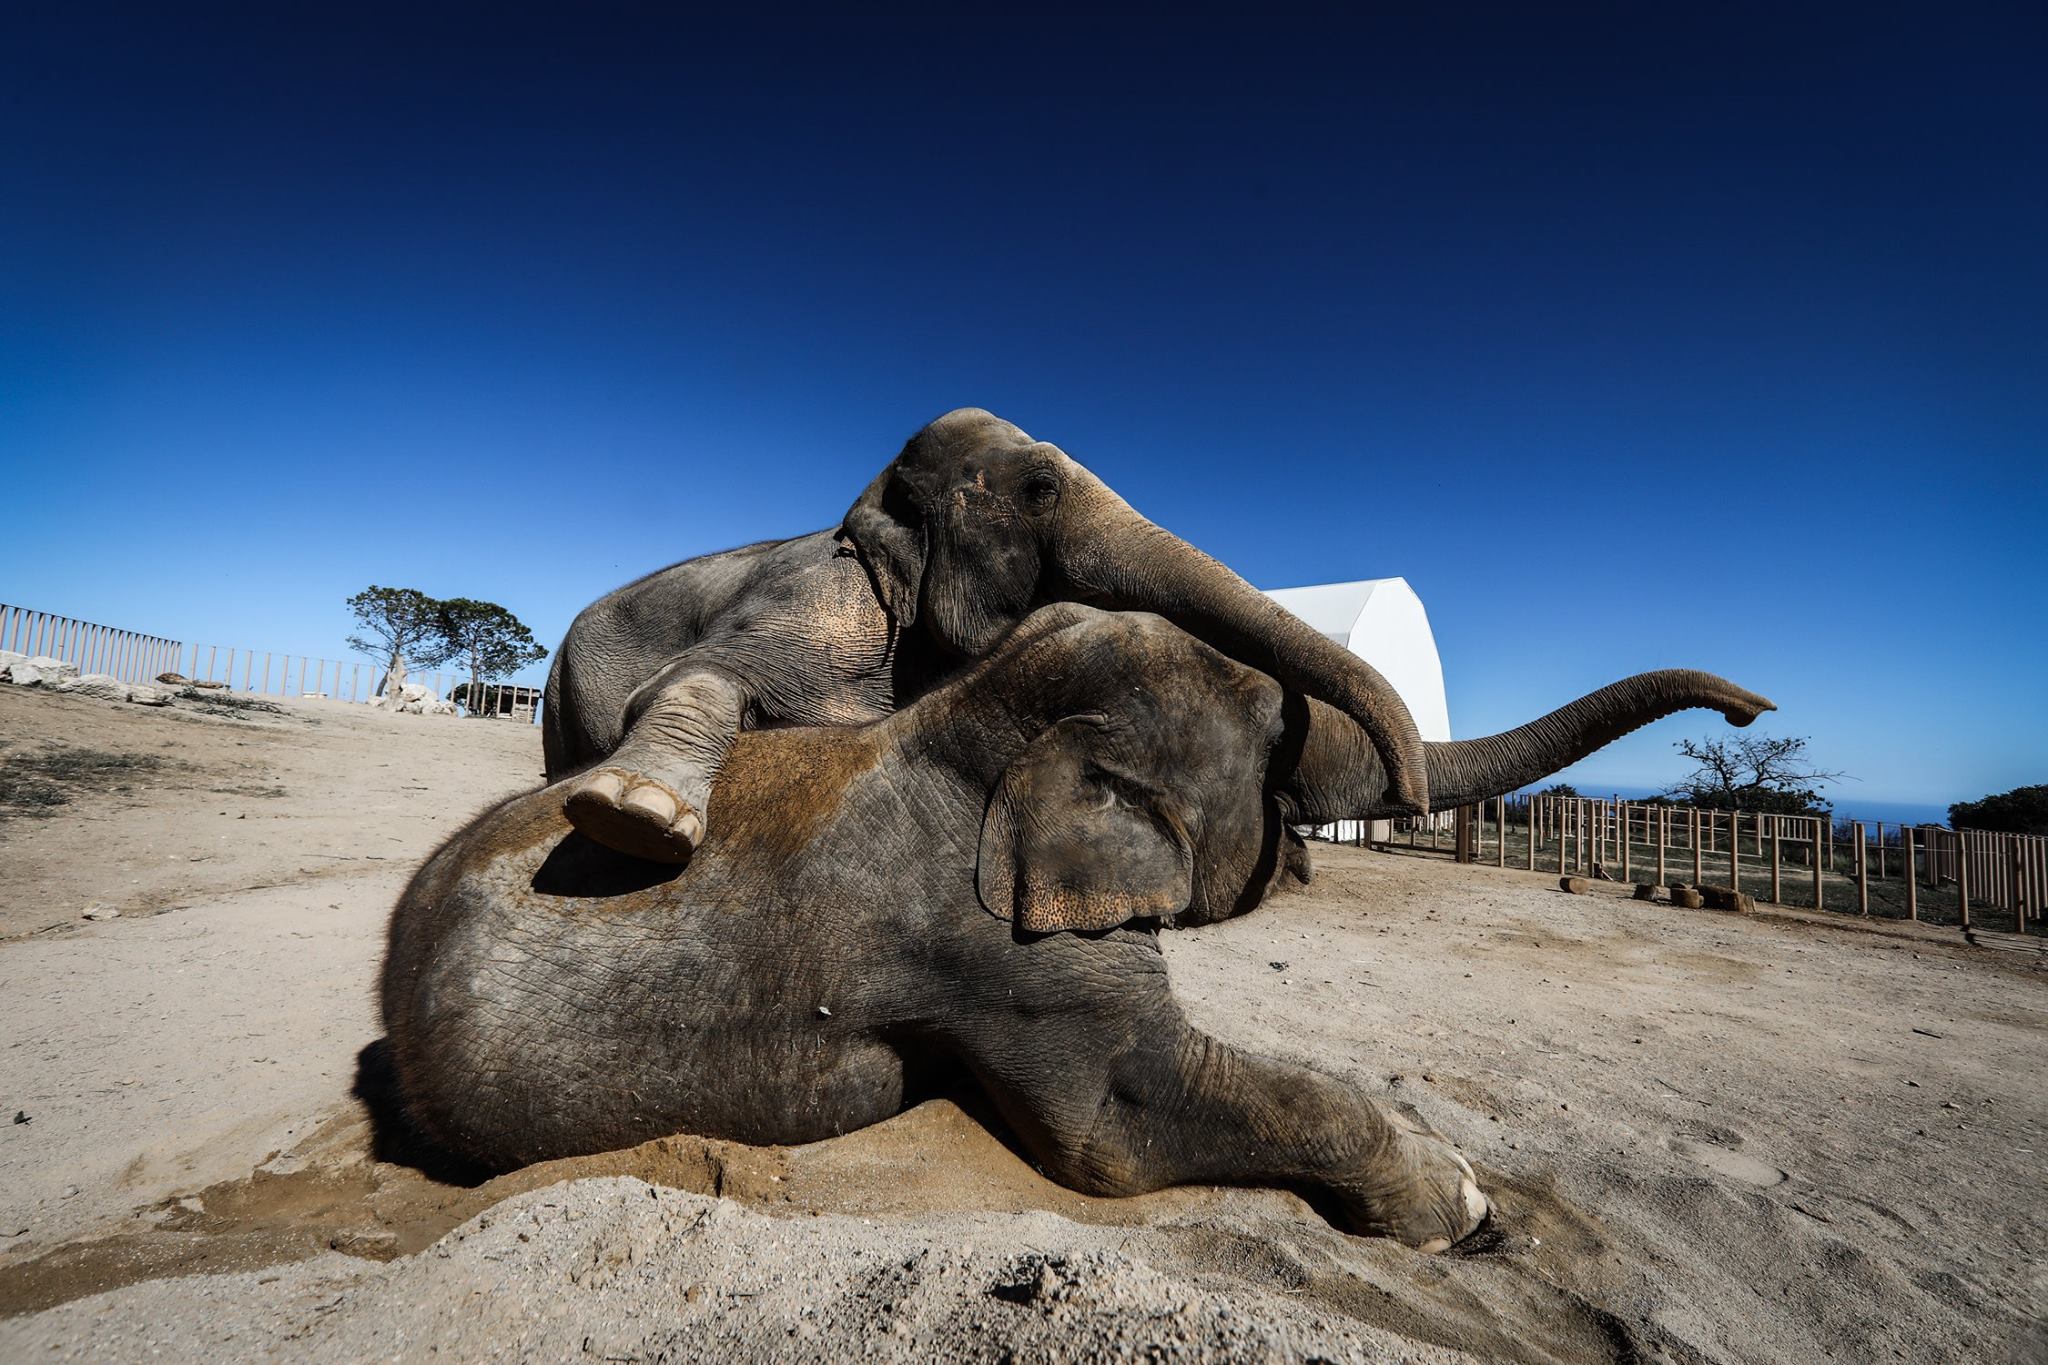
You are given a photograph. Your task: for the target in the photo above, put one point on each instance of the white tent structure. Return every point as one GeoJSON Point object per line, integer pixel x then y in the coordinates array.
{"type": "Point", "coordinates": [1381, 620]}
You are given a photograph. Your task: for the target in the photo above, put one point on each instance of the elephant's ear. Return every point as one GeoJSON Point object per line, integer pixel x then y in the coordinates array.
{"type": "Point", "coordinates": [1069, 843]}
{"type": "Point", "coordinates": [888, 533]}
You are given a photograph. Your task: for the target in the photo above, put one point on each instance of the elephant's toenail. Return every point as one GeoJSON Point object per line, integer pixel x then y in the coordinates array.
{"type": "Point", "coordinates": [689, 826]}
{"type": "Point", "coordinates": [1435, 1245]}
{"type": "Point", "coordinates": [1475, 1203]}
{"type": "Point", "coordinates": [605, 787]}
{"type": "Point", "coordinates": [653, 802]}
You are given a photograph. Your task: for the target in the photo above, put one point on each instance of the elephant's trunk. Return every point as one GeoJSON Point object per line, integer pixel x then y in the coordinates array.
{"type": "Point", "coordinates": [1337, 777]}
{"type": "Point", "coordinates": [1112, 557]}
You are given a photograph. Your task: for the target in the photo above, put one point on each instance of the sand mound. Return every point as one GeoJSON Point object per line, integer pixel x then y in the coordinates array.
{"type": "Point", "coordinates": [618, 1269]}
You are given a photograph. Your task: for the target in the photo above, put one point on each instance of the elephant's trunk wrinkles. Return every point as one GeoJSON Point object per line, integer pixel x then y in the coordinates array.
{"type": "Point", "coordinates": [1338, 778]}
{"type": "Point", "coordinates": [1113, 557]}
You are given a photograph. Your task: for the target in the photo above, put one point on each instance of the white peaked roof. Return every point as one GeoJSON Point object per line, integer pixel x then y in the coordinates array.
{"type": "Point", "coordinates": [1381, 620]}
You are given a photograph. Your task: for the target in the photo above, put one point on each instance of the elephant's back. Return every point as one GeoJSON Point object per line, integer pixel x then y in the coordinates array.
{"type": "Point", "coordinates": [627, 636]}
{"type": "Point", "coordinates": [546, 997]}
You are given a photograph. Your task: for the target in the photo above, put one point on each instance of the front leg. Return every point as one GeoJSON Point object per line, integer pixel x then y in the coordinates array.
{"type": "Point", "coordinates": [1115, 1092]}
{"type": "Point", "coordinates": [651, 796]}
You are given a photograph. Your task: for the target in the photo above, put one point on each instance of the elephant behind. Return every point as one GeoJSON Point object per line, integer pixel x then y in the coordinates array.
{"type": "Point", "coordinates": [970, 528]}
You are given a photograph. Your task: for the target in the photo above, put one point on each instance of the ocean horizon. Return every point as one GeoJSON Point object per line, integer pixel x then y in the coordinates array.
{"type": "Point", "coordinates": [1845, 808]}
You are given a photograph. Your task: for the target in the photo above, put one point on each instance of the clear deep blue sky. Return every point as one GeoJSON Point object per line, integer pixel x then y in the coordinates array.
{"type": "Point", "coordinates": [1631, 339]}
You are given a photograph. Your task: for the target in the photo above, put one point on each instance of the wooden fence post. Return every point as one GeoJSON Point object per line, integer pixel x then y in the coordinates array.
{"type": "Point", "coordinates": [1962, 881]}
{"type": "Point", "coordinates": [1500, 830]}
{"type": "Point", "coordinates": [2040, 876]}
{"type": "Point", "coordinates": [1531, 813]}
{"type": "Point", "coordinates": [2016, 875]}
{"type": "Point", "coordinates": [1819, 892]}
{"type": "Point", "coordinates": [1663, 815]}
{"type": "Point", "coordinates": [1735, 851]}
{"type": "Point", "coordinates": [1912, 879]}
{"type": "Point", "coordinates": [1777, 889]}
{"type": "Point", "coordinates": [1626, 875]}
{"type": "Point", "coordinates": [1862, 869]}
{"type": "Point", "coordinates": [1698, 854]}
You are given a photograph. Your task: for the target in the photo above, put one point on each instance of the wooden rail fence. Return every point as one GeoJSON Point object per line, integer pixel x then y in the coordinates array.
{"type": "Point", "coordinates": [1781, 859]}
{"type": "Point", "coordinates": [129, 655]}
{"type": "Point", "coordinates": [133, 656]}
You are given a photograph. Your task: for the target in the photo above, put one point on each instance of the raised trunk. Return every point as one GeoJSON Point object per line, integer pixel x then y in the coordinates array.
{"type": "Point", "coordinates": [1112, 557]}
{"type": "Point", "coordinates": [1338, 777]}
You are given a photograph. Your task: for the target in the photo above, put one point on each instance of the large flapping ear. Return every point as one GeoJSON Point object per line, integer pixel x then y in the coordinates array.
{"type": "Point", "coordinates": [888, 533]}
{"type": "Point", "coordinates": [1068, 844]}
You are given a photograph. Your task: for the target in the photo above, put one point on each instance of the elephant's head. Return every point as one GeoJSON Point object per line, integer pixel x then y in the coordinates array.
{"type": "Point", "coordinates": [1138, 786]}
{"type": "Point", "coordinates": [975, 523]}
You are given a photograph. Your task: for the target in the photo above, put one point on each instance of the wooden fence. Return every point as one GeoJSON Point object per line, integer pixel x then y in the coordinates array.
{"type": "Point", "coordinates": [1914, 868]}
{"type": "Point", "coordinates": [128, 655]}
{"type": "Point", "coordinates": [135, 657]}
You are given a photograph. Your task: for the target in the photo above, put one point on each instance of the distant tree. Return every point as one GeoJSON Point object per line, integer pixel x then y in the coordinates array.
{"type": "Point", "coordinates": [490, 641]}
{"type": "Point", "coordinates": [1564, 789]}
{"type": "Point", "coordinates": [398, 625]}
{"type": "Point", "coordinates": [2023, 810]}
{"type": "Point", "coordinates": [1751, 773]}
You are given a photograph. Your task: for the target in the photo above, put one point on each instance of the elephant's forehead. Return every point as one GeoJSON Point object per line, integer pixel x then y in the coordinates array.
{"type": "Point", "coordinates": [979, 435]}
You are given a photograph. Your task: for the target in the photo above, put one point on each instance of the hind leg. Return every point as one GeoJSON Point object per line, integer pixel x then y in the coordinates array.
{"type": "Point", "coordinates": [650, 796]}
{"type": "Point", "coordinates": [1116, 1093]}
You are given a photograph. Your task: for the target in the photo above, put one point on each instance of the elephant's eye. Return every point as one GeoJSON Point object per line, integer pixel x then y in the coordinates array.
{"type": "Point", "coordinates": [1041, 491]}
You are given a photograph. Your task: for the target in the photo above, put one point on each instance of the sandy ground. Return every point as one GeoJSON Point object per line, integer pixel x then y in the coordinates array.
{"type": "Point", "coordinates": [1707, 1137]}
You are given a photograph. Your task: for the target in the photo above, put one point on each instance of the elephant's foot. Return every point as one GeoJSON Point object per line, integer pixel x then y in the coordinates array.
{"type": "Point", "coordinates": [635, 814]}
{"type": "Point", "coordinates": [1420, 1191]}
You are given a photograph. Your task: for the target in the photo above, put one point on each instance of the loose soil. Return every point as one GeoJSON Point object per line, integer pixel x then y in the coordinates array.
{"type": "Point", "coordinates": [1708, 1137]}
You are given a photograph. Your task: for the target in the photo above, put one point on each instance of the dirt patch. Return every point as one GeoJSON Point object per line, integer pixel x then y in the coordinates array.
{"type": "Point", "coordinates": [151, 808]}
{"type": "Point", "coordinates": [1706, 1138]}
{"type": "Point", "coordinates": [35, 782]}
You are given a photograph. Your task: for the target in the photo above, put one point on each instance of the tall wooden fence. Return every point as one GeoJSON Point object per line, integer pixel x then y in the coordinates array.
{"type": "Point", "coordinates": [135, 657]}
{"type": "Point", "coordinates": [129, 655]}
{"type": "Point", "coordinates": [1907, 871]}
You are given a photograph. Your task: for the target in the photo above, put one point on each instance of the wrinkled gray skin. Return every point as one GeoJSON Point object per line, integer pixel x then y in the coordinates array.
{"type": "Point", "coordinates": [861, 911]}
{"type": "Point", "coordinates": [972, 526]}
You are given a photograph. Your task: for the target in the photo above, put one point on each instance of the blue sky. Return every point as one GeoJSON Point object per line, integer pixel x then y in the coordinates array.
{"type": "Point", "coordinates": [1630, 339]}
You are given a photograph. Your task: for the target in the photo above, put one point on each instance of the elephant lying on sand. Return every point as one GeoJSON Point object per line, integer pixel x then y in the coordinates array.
{"type": "Point", "coordinates": [863, 906]}
{"type": "Point", "coordinates": [967, 530]}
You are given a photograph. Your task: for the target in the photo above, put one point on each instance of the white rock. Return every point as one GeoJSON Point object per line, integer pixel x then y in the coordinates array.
{"type": "Point", "coordinates": [144, 695]}
{"type": "Point", "coordinates": [439, 708]}
{"type": "Point", "coordinates": [102, 685]}
{"type": "Point", "coordinates": [41, 670]}
{"type": "Point", "coordinates": [101, 910]}
{"type": "Point", "coordinates": [8, 659]}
